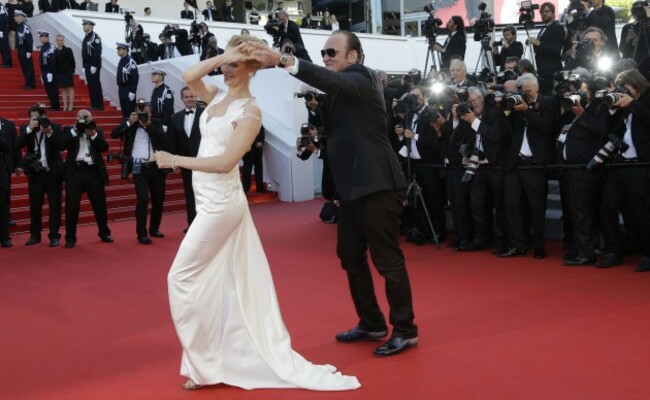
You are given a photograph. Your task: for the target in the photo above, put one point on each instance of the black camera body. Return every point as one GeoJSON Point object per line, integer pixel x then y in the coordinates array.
{"type": "Point", "coordinates": [407, 103]}
{"type": "Point", "coordinates": [83, 124]}
{"type": "Point", "coordinates": [143, 117]}
{"type": "Point", "coordinates": [273, 21]}
{"type": "Point", "coordinates": [527, 14]}
{"type": "Point", "coordinates": [32, 164]}
{"type": "Point", "coordinates": [485, 23]}
{"type": "Point", "coordinates": [573, 99]}
{"type": "Point", "coordinates": [464, 108]}
{"type": "Point", "coordinates": [311, 96]}
{"type": "Point", "coordinates": [127, 17]}
{"type": "Point", "coordinates": [584, 49]}
{"type": "Point", "coordinates": [306, 138]}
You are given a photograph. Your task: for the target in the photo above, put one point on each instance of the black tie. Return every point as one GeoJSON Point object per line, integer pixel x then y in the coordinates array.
{"type": "Point", "coordinates": [189, 112]}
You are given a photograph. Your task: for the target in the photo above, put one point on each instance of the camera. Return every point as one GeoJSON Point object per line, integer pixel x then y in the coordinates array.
{"type": "Point", "coordinates": [407, 103]}
{"type": "Point", "coordinates": [310, 96]}
{"type": "Point", "coordinates": [513, 100]}
{"type": "Point", "coordinates": [611, 97]}
{"type": "Point", "coordinates": [273, 21]}
{"type": "Point", "coordinates": [485, 23]}
{"type": "Point", "coordinates": [495, 98]}
{"type": "Point", "coordinates": [527, 14]}
{"type": "Point", "coordinates": [464, 107]}
{"type": "Point", "coordinates": [584, 48]}
{"type": "Point", "coordinates": [306, 138]}
{"type": "Point", "coordinates": [287, 47]}
{"type": "Point", "coordinates": [573, 99]}
{"type": "Point", "coordinates": [638, 11]}
{"type": "Point", "coordinates": [127, 17]}
{"type": "Point", "coordinates": [143, 117]}
{"type": "Point", "coordinates": [614, 145]}
{"type": "Point", "coordinates": [84, 124]}
{"type": "Point", "coordinates": [431, 24]}
{"type": "Point", "coordinates": [32, 164]}
{"type": "Point", "coordinates": [472, 164]}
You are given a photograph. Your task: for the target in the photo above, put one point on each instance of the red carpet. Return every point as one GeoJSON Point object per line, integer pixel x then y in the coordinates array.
{"type": "Point", "coordinates": [93, 322]}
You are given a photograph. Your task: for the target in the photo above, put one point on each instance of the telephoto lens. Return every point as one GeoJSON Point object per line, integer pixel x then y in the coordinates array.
{"type": "Point", "coordinates": [513, 100]}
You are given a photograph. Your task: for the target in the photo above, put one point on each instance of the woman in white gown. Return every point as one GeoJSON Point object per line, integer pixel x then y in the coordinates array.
{"type": "Point", "coordinates": [221, 292]}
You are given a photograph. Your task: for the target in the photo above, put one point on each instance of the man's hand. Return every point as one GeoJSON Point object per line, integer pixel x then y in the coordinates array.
{"type": "Point", "coordinates": [133, 118]}
{"type": "Point", "coordinates": [534, 41]}
{"type": "Point", "coordinates": [578, 110]}
{"type": "Point", "coordinates": [438, 47]}
{"type": "Point", "coordinates": [33, 125]}
{"type": "Point", "coordinates": [469, 117]}
{"type": "Point", "coordinates": [409, 134]}
{"type": "Point", "coordinates": [399, 130]}
{"type": "Point", "coordinates": [90, 133]}
{"type": "Point", "coordinates": [259, 52]}
{"type": "Point", "coordinates": [624, 101]}
{"type": "Point", "coordinates": [48, 131]}
{"type": "Point", "coordinates": [521, 107]}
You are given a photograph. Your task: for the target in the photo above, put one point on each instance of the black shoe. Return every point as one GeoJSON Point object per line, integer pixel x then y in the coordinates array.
{"type": "Point", "coordinates": [472, 246]}
{"type": "Point", "coordinates": [156, 234]}
{"type": "Point", "coordinates": [644, 265]}
{"type": "Point", "coordinates": [357, 335]}
{"type": "Point", "coordinates": [106, 238]}
{"type": "Point", "coordinates": [6, 243]}
{"type": "Point", "coordinates": [610, 260]}
{"type": "Point", "coordinates": [54, 243]}
{"type": "Point", "coordinates": [579, 261]}
{"type": "Point", "coordinates": [499, 248]}
{"type": "Point", "coordinates": [33, 240]}
{"type": "Point", "coordinates": [514, 252]}
{"type": "Point", "coordinates": [12, 223]}
{"type": "Point", "coordinates": [453, 243]}
{"type": "Point", "coordinates": [539, 253]}
{"type": "Point", "coordinates": [69, 244]}
{"type": "Point", "coordinates": [144, 240]}
{"type": "Point", "coordinates": [395, 345]}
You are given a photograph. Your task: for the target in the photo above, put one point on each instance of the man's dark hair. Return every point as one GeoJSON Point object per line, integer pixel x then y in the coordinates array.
{"type": "Point", "coordinates": [184, 89]}
{"type": "Point", "coordinates": [36, 108]}
{"type": "Point", "coordinates": [512, 59]}
{"type": "Point", "coordinates": [635, 79]}
{"type": "Point", "coordinates": [525, 65]}
{"type": "Point", "coordinates": [460, 24]}
{"type": "Point", "coordinates": [549, 5]}
{"type": "Point", "coordinates": [511, 29]}
{"type": "Point", "coordinates": [353, 43]}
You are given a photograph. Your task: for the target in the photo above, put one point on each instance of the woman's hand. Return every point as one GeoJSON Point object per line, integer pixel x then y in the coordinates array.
{"type": "Point", "coordinates": [163, 159]}
{"type": "Point", "coordinates": [260, 52]}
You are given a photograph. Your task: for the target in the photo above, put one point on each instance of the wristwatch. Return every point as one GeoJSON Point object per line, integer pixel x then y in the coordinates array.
{"type": "Point", "coordinates": [283, 60]}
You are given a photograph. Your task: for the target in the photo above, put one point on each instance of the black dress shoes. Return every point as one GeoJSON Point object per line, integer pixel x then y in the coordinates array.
{"type": "Point", "coordinates": [33, 240]}
{"type": "Point", "coordinates": [644, 265]}
{"type": "Point", "coordinates": [514, 252]}
{"type": "Point", "coordinates": [12, 223]}
{"type": "Point", "coordinates": [156, 234]}
{"type": "Point", "coordinates": [539, 253]}
{"type": "Point", "coordinates": [395, 345]}
{"type": "Point", "coordinates": [6, 243]}
{"type": "Point", "coordinates": [357, 335]}
{"type": "Point", "coordinates": [579, 261]}
{"type": "Point", "coordinates": [54, 243]}
{"type": "Point", "coordinates": [610, 260]}
{"type": "Point", "coordinates": [106, 238]}
{"type": "Point", "coordinates": [144, 240]}
{"type": "Point", "coordinates": [472, 246]}
{"type": "Point", "coordinates": [69, 244]}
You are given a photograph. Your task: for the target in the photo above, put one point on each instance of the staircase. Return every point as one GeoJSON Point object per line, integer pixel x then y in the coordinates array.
{"type": "Point", "coordinates": [120, 194]}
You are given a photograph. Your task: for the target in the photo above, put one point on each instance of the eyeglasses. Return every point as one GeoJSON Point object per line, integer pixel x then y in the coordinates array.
{"type": "Point", "coordinates": [331, 53]}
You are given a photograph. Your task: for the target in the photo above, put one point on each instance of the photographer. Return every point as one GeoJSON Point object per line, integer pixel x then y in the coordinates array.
{"type": "Point", "coordinates": [548, 47]}
{"type": "Point", "coordinates": [591, 52]}
{"type": "Point", "coordinates": [85, 171]}
{"type": "Point", "coordinates": [459, 77]}
{"type": "Point", "coordinates": [205, 36]}
{"type": "Point", "coordinates": [486, 141]}
{"type": "Point", "coordinates": [530, 150]}
{"type": "Point", "coordinates": [134, 36]}
{"type": "Point", "coordinates": [142, 137]}
{"type": "Point", "coordinates": [213, 50]}
{"type": "Point", "coordinates": [510, 47]}
{"type": "Point", "coordinates": [629, 187]}
{"type": "Point", "coordinates": [635, 42]}
{"type": "Point", "coordinates": [182, 41]}
{"type": "Point", "coordinates": [602, 16]}
{"type": "Point", "coordinates": [167, 49]}
{"type": "Point", "coordinates": [43, 166]}
{"type": "Point", "coordinates": [287, 29]}
{"type": "Point", "coordinates": [455, 44]}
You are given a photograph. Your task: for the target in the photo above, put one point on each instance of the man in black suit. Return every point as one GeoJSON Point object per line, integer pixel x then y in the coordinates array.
{"type": "Point", "coordinates": [205, 36]}
{"type": "Point", "coordinates": [112, 7]}
{"type": "Point", "coordinates": [629, 188]}
{"type": "Point", "coordinates": [5, 50]}
{"type": "Point", "coordinates": [548, 47]}
{"type": "Point", "coordinates": [186, 13]}
{"type": "Point", "coordinates": [185, 138]}
{"type": "Point", "coordinates": [43, 166]}
{"type": "Point", "coordinates": [227, 11]}
{"type": "Point", "coordinates": [510, 47]}
{"type": "Point", "coordinates": [48, 70]}
{"type": "Point", "coordinates": [290, 30]}
{"type": "Point", "coordinates": [253, 159]}
{"type": "Point", "coordinates": [9, 158]}
{"type": "Point", "coordinates": [526, 186]}
{"type": "Point", "coordinates": [68, 5]}
{"type": "Point", "coordinates": [455, 44]}
{"type": "Point", "coordinates": [85, 171]}
{"type": "Point", "coordinates": [369, 182]}
{"type": "Point", "coordinates": [48, 5]}
{"type": "Point", "coordinates": [210, 13]}
{"type": "Point", "coordinates": [87, 5]}
{"type": "Point", "coordinates": [602, 16]}
{"type": "Point", "coordinates": [142, 137]}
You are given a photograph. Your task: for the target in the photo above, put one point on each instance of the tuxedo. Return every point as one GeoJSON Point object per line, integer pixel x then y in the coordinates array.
{"type": "Point", "coordinates": [455, 45]}
{"type": "Point", "coordinates": [187, 144]}
{"type": "Point", "coordinates": [48, 5]}
{"type": "Point", "coordinates": [204, 44]}
{"type": "Point", "coordinates": [187, 14]}
{"type": "Point", "coordinates": [370, 183]}
{"type": "Point", "coordinates": [47, 150]}
{"type": "Point", "coordinates": [88, 176]}
{"type": "Point", "coordinates": [548, 54]}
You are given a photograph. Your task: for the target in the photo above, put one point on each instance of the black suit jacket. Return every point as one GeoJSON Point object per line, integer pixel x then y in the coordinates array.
{"type": "Point", "coordinates": [44, 6]}
{"type": "Point", "coordinates": [495, 135]}
{"type": "Point", "coordinates": [64, 60]}
{"type": "Point", "coordinates": [52, 147]}
{"type": "Point", "coordinates": [428, 143]}
{"type": "Point", "coordinates": [452, 140]}
{"type": "Point", "coordinates": [293, 33]}
{"type": "Point", "coordinates": [516, 49]}
{"type": "Point", "coordinates": [110, 8]}
{"type": "Point", "coordinates": [640, 110]}
{"type": "Point", "coordinates": [456, 47]}
{"type": "Point", "coordinates": [127, 133]}
{"type": "Point", "coordinates": [70, 142]}
{"type": "Point", "coordinates": [540, 132]}
{"type": "Point", "coordinates": [212, 12]}
{"type": "Point", "coordinates": [68, 4]}
{"type": "Point", "coordinates": [605, 19]}
{"type": "Point", "coordinates": [204, 44]}
{"type": "Point", "coordinates": [9, 152]}
{"type": "Point", "coordinates": [586, 135]}
{"type": "Point", "coordinates": [187, 14]}
{"type": "Point", "coordinates": [179, 142]}
{"type": "Point", "coordinates": [549, 52]}
{"type": "Point", "coordinates": [359, 153]}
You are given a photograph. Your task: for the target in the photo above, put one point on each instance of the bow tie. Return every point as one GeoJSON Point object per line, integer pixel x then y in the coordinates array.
{"type": "Point", "coordinates": [189, 112]}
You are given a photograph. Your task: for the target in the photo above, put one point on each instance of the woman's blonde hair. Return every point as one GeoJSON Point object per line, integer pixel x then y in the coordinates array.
{"type": "Point", "coordinates": [239, 39]}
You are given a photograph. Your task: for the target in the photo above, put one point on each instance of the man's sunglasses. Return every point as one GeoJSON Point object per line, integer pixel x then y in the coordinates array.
{"type": "Point", "coordinates": [331, 53]}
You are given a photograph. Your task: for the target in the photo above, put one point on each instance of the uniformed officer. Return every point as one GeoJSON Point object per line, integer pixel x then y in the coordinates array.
{"type": "Point", "coordinates": [46, 60]}
{"type": "Point", "coordinates": [162, 99]}
{"type": "Point", "coordinates": [91, 54]}
{"type": "Point", "coordinates": [24, 47]}
{"type": "Point", "coordinates": [127, 79]}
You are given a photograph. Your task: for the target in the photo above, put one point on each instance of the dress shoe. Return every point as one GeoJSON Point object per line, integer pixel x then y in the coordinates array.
{"type": "Point", "coordinates": [395, 345]}
{"type": "Point", "coordinates": [579, 261]}
{"type": "Point", "coordinates": [33, 240]}
{"type": "Point", "coordinates": [11, 223]}
{"type": "Point", "coordinates": [106, 238]}
{"type": "Point", "coordinates": [514, 252]}
{"type": "Point", "coordinates": [156, 234]}
{"type": "Point", "coordinates": [54, 243]}
{"type": "Point", "coordinates": [69, 244]}
{"type": "Point", "coordinates": [499, 248]}
{"type": "Point", "coordinates": [357, 335]}
{"type": "Point", "coordinates": [453, 243]}
{"type": "Point", "coordinates": [6, 243]}
{"type": "Point", "coordinates": [644, 265]}
{"type": "Point", "coordinates": [472, 246]}
{"type": "Point", "coordinates": [539, 253]}
{"type": "Point", "coordinates": [144, 240]}
{"type": "Point", "coordinates": [610, 260]}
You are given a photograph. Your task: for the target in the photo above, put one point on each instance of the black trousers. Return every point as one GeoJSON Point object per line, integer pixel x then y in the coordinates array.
{"type": "Point", "coordinates": [7, 210]}
{"type": "Point", "coordinates": [433, 192]}
{"type": "Point", "coordinates": [526, 191]}
{"type": "Point", "coordinates": [190, 203]}
{"type": "Point", "coordinates": [5, 50]}
{"type": "Point", "coordinates": [86, 178]}
{"type": "Point", "coordinates": [52, 91]}
{"type": "Point", "coordinates": [626, 189]}
{"type": "Point", "coordinates": [127, 105]}
{"type": "Point", "coordinates": [372, 222]}
{"type": "Point", "coordinates": [40, 185]}
{"type": "Point", "coordinates": [459, 200]}
{"type": "Point", "coordinates": [27, 67]}
{"type": "Point", "coordinates": [4, 218]}
{"type": "Point", "coordinates": [151, 181]}
{"type": "Point", "coordinates": [94, 88]}
{"type": "Point", "coordinates": [253, 159]}
{"type": "Point", "coordinates": [585, 189]}
{"type": "Point", "coordinates": [487, 205]}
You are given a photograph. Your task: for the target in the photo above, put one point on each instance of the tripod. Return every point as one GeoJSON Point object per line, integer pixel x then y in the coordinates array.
{"type": "Point", "coordinates": [486, 55]}
{"type": "Point", "coordinates": [436, 62]}
{"type": "Point", "coordinates": [528, 49]}
{"type": "Point", "coordinates": [414, 192]}
{"type": "Point", "coordinates": [641, 35]}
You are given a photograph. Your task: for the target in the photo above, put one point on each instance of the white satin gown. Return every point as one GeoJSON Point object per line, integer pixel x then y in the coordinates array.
{"type": "Point", "coordinates": [221, 292]}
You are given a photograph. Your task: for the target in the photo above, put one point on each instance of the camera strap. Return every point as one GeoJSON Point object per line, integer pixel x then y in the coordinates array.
{"type": "Point", "coordinates": [38, 141]}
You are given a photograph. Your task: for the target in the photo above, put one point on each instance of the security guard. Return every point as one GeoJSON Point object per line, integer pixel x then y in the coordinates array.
{"type": "Point", "coordinates": [162, 99]}
{"type": "Point", "coordinates": [91, 54]}
{"type": "Point", "coordinates": [127, 79]}
{"type": "Point", "coordinates": [25, 46]}
{"type": "Point", "coordinates": [46, 60]}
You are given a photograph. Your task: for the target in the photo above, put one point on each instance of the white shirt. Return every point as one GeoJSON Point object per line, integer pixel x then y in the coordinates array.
{"type": "Point", "coordinates": [525, 147]}
{"type": "Point", "coordinates": [189, 121]}
{"type": "Point", "coordinates": [84, 147]}
{"type": "Point", "coordinates": [142, 149]}
{"type": "Point", "coordinates": [627, 138]}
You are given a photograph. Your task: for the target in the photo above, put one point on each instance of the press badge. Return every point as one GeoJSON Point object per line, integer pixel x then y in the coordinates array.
{"type": "Point", "coordinates": [562, 136]}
